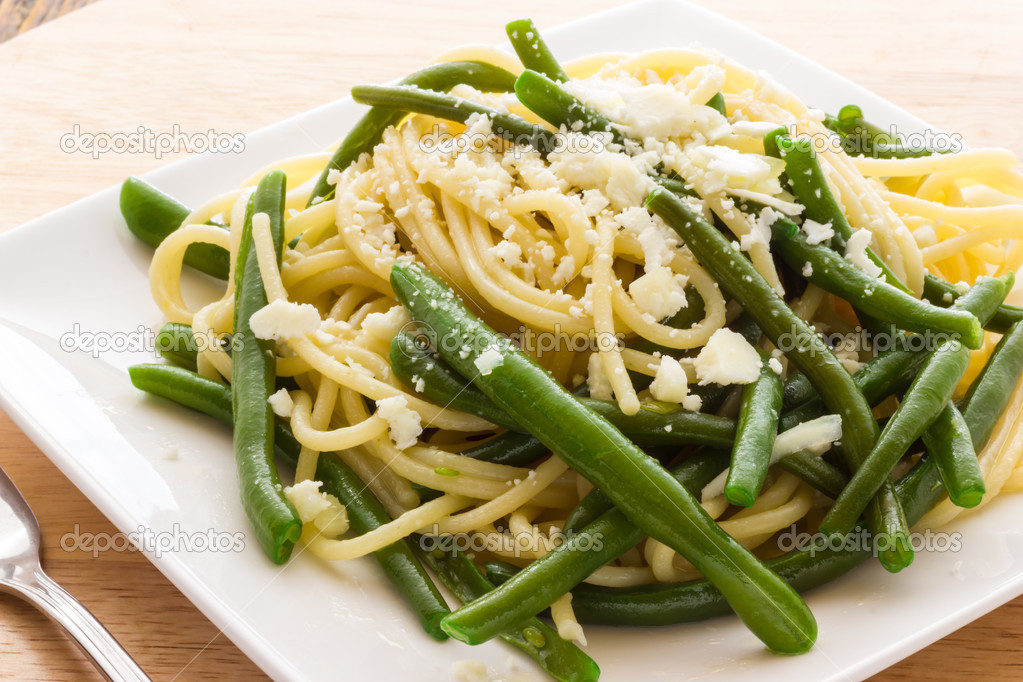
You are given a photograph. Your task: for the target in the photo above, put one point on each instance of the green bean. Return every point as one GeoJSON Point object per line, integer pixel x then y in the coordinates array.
{"type": "Point", "coordinates": [365, 512]}
{"type": "Point", "coordinates": [512, 448]}
{"type": "Point", "coordinates": [823, 476]}
{"type": "Point", "coordinates": [862, 138]}
{"type": "Point", "coordinates": [440, 105]}
{"type": "Point", "coordinates": [533, 51]}
{"type": "Point", "coordinates": [949, 442]}
{"type": "Point", "coordinates": [717, 103]}
{"type": "Point", "coordinates": [942, 293]}
{"type": "Point", "coordinates": [740, 280]}
{"type": "Point", "coordinates": [922, 403]}
{"type": "Point", "coordinates": [808, 182]}
{"type": "Point", "coordinates": [996, 380]}
{"type": "Point", "coordinates": [152, 215]}
{"type": "Point", "coordinates": [835, 274]}
{"type": "Point", "coordinates": [421, 370]}
{"type": "Point", "coordinates": [754, 437]}
{"type": "Point", "coordinates": [174, 342]}
{"type": "Point", "coordinates": [637, 483]}
{"type": "Point", "coordinates": [253, 372]}
{"type": "Point", "coordinates": [551, 102]}
{"type": "Point", "coordinates": [368, 131]}
{"type": "Point", "coordinates": [561, 659]}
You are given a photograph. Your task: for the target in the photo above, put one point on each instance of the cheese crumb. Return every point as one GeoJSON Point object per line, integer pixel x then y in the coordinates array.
{"type": "Point", "coordinates": [807, 269]}
{"type": "Point", "coordinates": [775, 366]}
{"type": "Point", "coordinates": [670, 383]}
{"type": "Point", "coordinates": [318, 508]}
{"type": "Point", "coordinates": [489, 359]}
{"type": "Point", "coordinates": [404, 423]}
{"type": "Point", "coordinates": [281, 403]}
{"type": "Point", "coordinates": [728, 358]}
{"type": "Point", "coordinates": [281, 320]}
{"type": "Point", "coordinates": [659, 292]}
{"type": "Point", "coordinates": [816, 232]}
{"type": "Point", "coordinates": [856, 252]}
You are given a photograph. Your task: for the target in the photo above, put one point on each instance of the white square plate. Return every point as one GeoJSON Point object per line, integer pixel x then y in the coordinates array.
{"type": "Point", "coordinates": [78, 271]}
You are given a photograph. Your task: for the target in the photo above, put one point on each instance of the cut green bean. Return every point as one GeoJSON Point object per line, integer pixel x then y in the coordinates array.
{"type": "Point", "coordinates": [533, 51]}
{"type": "Point", "coordinates": [152, 215]}
{"type": "Point", "coordinates": [949, 442]}
{"type": "Point", "coordinates": [754, 437]}
{"type": "Point", "coordinates": [551, 102]}
{"type": "Point", "coordinates": [835, 274]}
{"type": "Point", "coordinates": [996, 380]}
{"type": "Point", "coordinates": [942, 293]}
{"type": "Point", "coordinates": [253, 371]}
{"type": "Point", "coordinates": [174, 342]}
{"type": "Point", "coordinates": [717, 103]}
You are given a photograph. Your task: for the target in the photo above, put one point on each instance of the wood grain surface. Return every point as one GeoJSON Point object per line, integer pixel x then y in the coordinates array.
{"type": "Point", "coordinates": [235, 67]}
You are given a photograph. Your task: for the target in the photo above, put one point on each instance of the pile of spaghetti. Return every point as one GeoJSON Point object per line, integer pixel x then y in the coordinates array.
{"type": "Point", "coordinates": [558, 204]}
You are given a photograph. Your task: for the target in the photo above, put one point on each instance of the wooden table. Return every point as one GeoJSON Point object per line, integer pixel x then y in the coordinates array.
{"type": "Point", "coordinates": [215, 64]}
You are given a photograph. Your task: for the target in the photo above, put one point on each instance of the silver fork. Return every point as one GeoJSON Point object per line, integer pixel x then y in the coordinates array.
{"type": "Point", "coordinates": [21, 574]}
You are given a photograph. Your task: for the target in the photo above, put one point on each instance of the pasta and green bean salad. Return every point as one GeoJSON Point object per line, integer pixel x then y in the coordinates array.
{"type": "Point", "coordinates": [580, 341]}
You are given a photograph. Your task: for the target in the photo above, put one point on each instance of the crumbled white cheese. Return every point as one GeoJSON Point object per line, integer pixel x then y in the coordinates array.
{"type": "Point", "coordinates": [405, 424]}
{"type": "Point", "coordinates": [321, 509]}
{"type": "Point", "coordinates": [755, 129]}
{"type": "Point", "coordinates": [281, 403]}
{"type": "Point", "coordinates": [507, 251]}
{"type": "Point", "coordinates": [385, 326]}
{"type": "Point", "coordinates": [282, 320]}
{"type": "Point", "coordinates": [775, 366]}
{"type": "Point", "coordinates": [659, 292]}
{"type": "Point", "coordinates": [596, 379]}
{"type": "Point", "coordinates": [816, 232]}
{"type": "Point", "coordinates": [856, 252]}
{"type": "Point", "coordinates": [487, 360]}
{"type": "Point", "coordinates": [761, 232]}
{"type": "Point", "coordinates": [670, 383]}
{"type": "Point", "coordinates": [692, 402]}
{"type": "Point", "coordinates": [807, 269]}
{"type": "Point", "coordinates": [728, 358]}
{"type": "Point", "coordinates": [725, 167]}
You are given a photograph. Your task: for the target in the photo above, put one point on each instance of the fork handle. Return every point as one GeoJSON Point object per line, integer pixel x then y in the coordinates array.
{"type": "Point", "coordinates": [109, 657]}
